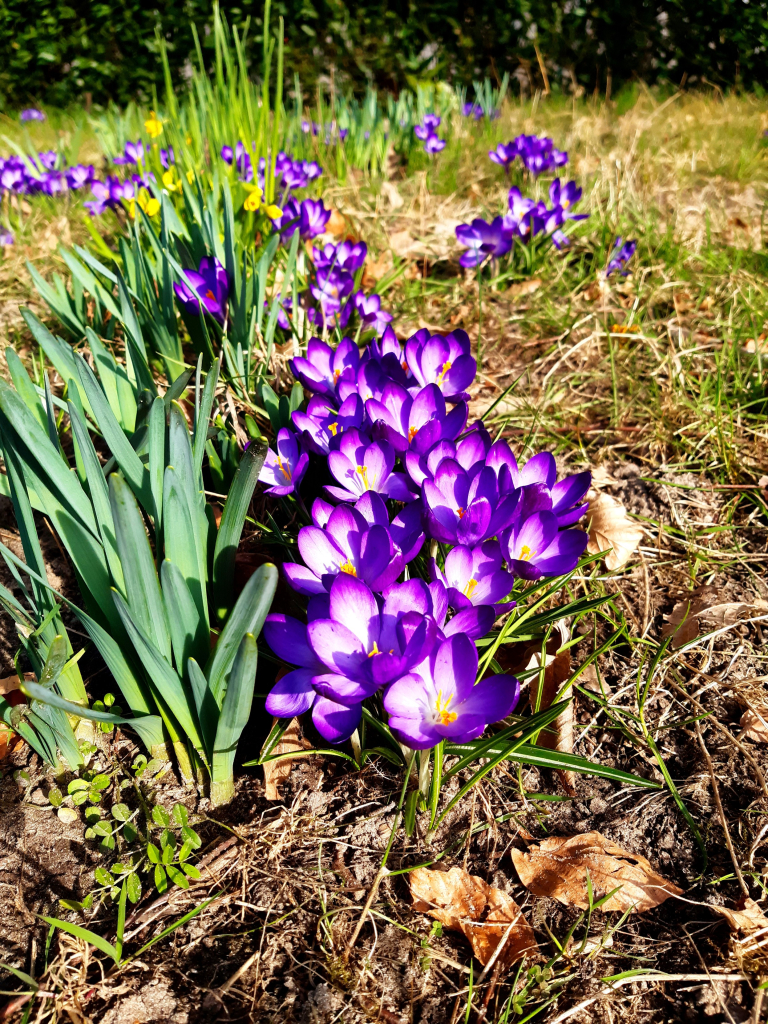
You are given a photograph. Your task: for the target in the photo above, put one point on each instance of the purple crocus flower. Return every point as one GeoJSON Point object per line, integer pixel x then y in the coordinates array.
{"type": "Point", "coordinates": [109, 194]}
{"type": "Point", "coordinates": [133, 153]}
{"type": "Point", "coordinates": [323, 425]}
{"type": "Point", "coordinates": [48, 158]}
{"type": "Point", "coordinates": [208, 286]}
{"type": "Point", "coordinates": [330, 288]}
{"type": "Point", "coordinates": [483, 241]}
{"type": "Point", "coordinates": [80, 175]}
{"type": "Point", "coordinates": [349, 256]}
{"type": "Point", "coordinates": [535, 547]}
{"type": "Point", "coordinates": [440, 700]}
{"type": "Point", "coordinates": [285, 468]}
{"type": "Point", "coordinates": [323, 366]}
{"type": "Point", "coordinates": [442, 360]}
{"type": "Point", "coordinates": [417, 422]}
{"type": "Point", "coordinates": [470, 109]}
{"type": "Point", "coordinates": [365, 645]}
{"type": "Point", "coordinates": [361, 466]}
{"type": "Point", "coordinates": [346, 543]}
{"type": "Point", "coordinates": [31, 114]}
{"type": "Point", "coordinates": [620, 255]}
{"type": "Point", "coordinates": [294, 694]}
{"type": "Point", "coordinates": [505, 154]}
{"type": "Point", "coordinates": [372, 315]}
{"type": "Point", "coordinates": [313, 217]}
{"type": "Point", "coordinates": [434, 145]}
{"type": "Point", "coordinates": [474, 576]}
{"type": "Point", "coordinates": [293, 176]}
{"type": "Point", "coordinates": [6, 238]}
{"type": "Point", "coordinates": [167, 157]}
{"type": "Point", "coordinates": [565, 197]}
{"type": "Point", "coordinates": [466, 508]}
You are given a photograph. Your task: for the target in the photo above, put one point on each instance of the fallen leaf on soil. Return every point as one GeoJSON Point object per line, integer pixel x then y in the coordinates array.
{"type": "Point", "coordinates": [336, 225]}
{"type": "Point", "coordinates": [610, 527]}
{"type": "Point", "coordinates": [558, 868]}
{"type": "Point", "coordinates": [10, 683]}
{"type": "Point", "coordinates": [749, 916]}
{"type": "Point", "coordinates": [755, 726]}
{"type": "Point", "coordinates": [401, 243]}
{"type": "Point", "coordinates": [465, 903]}
{"type": "Point", "coordinates": [699, 609]}
{"type": "Point", "coordinates": [374, 270]}
{"type": "Point", "coordinates": [389, 189]}
{"type": "Point", "coordinates": [275, 772]}
{"type": "Point", "coordinates": [524, 287]}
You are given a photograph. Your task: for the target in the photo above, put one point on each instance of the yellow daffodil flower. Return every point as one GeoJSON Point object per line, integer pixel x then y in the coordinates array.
{"type": "Point", "coordinates": [152, 126]}
{"type": "Point", "coordinates": [272, 211]}
{"type": "Point", "coordinates": [252, 202]}
{"type": "Point", "coordinates": [190, 176]}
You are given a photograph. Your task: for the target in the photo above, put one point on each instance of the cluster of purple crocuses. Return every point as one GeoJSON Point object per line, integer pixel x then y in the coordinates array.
{"type": "Point", "coordinates": [42, 174]}
{"type": "Point", "coordinates": [524, 220]}
{"type": "Point", "coordinates": [414, 547]}
{"type": "Point", "coordinates": [289, 173]}
{"type": "Point", "coordinates": [537, 154]}
{"type": "Point", "coordinates": [331, 298]}
{"type": "Point", "coordinates": [427, 133]}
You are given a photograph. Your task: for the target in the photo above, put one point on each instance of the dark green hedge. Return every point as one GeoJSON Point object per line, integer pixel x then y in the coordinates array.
{"type": "Point", "coordinates": [54, 51]}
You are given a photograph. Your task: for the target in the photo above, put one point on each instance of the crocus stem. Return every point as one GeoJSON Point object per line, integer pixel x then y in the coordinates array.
{"type": "Point", "coordinates": [424, 772]}
{"type": "Point", "coordinates": [479, 319]}
{"type": "Point", "coordinates": [383, 869]}
{"type": "Point", "coordinates": [437, 779]}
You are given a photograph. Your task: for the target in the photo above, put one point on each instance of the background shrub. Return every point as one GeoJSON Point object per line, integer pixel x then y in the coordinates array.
{"type": "Point", "coordinates": [57, 51]}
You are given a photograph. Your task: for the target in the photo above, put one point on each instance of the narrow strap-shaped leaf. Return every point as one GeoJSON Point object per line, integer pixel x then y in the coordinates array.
{"type": "Point", "coordinates": [114, 380]}
{"type": "Point", "coordinates": [162, 677]}
{"type": "Point", "coordinates": [231, 526]}
{"type": "Point", "coordinates": [204, 415]}
{"type": "Point", "coordinates": [142, 587]}
{"type": "Point", "coordinates": [189, 632]}
{"type": "Point", "coordinates": [89, 282]}
{"type": "Point", "coordinates": [235, 711]}
{"type": "Point", "coordinates": [247, 617]}
{"type": "Point", "coordinates": [33, 446]}
{"type": "Point", "coordinates": [207, 709]}
{"type": "Point", "coordinates": [99, 493]}
{"type": "Point", "coordinates": [59, 307]}
{"type": "Point", "coordinates": [129, 318]}
{"type": "Point", "coordinates": [25, 387]}
{"type": "Point", "coordinates": [156, 465]}
{"type": "Point", "coordinates": [22, 728]}
{"type": "Point", "coordinates": [61, 729]}
{"type": "Point", "coordinates": [528, 754]}
{"type": "Point", "coordinates": [127, 459]}
{"type": "Point", "coordinates": [84, 934]}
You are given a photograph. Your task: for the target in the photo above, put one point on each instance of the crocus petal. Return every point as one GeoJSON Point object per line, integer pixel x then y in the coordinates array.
{"type": "Point", "coordinates": [353, 604]}
{"type": "Point", "coordinates": [292, 695]}
{"type": "Point", "coordinates": [288, 639]}
{"type": "Point", "coordinates": [338, 648]}
{"type": "Point", "coordinates": [335, 722]}
{"type": "Point", "coordinates": [302, 579]}
{"type": "Point", "coordinates": [342, 690]}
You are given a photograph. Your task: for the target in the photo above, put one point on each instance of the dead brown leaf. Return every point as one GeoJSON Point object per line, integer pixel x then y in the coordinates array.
{"type": "Point", "coordinates": [374, 270]}
{"type": "Point", "coordinates": [524, 287]}
{"type": "Point", "coordinates": [10, 683]}
{"type": "Point", "coordinates": [336, 225]}
{"type": "Point", "coordinates": [700, 609]}
{"type": "Point", "coordinates": [610, 527]}
{"type": "Point", "coordinates": [389, 189]}
{"type": "Point", "coordinates": [755, 725]}
{"type": "Point", "coordinates": [275, 772]}
{"type": "Point", "coordinates": [748, 917]}
{"type": "Point", "coordinates": [485, 915]}
{"type": "Point", "coordinates": [558, 868]}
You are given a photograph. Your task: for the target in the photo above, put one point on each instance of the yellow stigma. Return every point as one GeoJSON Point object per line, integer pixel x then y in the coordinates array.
{"type": "Point", "coordinates": [336, 375]}
{"type": "Point", "coordinates": [441, 376]}
{"type": "Point", "coordinates": [363, 471]}
{"type": "Point", "coordinates": [209, 295]}
{"type": "Point", "coordinates": [333, 427]}
{"type": "Point", "coordinates": [375, 650]}
{"type": "Point", "coordinates": [349, 568]}
{"type": "Point", "coordinates": [469, 588]}
{"type": "Point", "coordinates": [404, 366]}
{"type": "Point", "coordinates": [445, 716]}
{"type": "Point", "coordinates": [460, 513]}
{"type": "Point", "coordinates": [526, 554]}
{"type": "Point", "coordinates": [285, 470]}
{"type": "Point", "coordinates": [412, 432]}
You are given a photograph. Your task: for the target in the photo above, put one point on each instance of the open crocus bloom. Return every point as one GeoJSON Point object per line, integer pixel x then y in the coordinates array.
{"type": "Point", "coordinates": [361, 466]}
{"type": "Point", "coordinates": [535, 547]}
{"type": "Point", "coordinates": [208, 286]}
{"type": "Point", "coordinates": [323, 425]}
{"type": "Point", "coordinates": [294, 694]}
{"type": "Point", "coordinates": [483, 241]}
{"type": "Point", "coordinates": [442, 360]}
{"type": "Point", "coordinates": [284, 469]}
{"type": "Point", "coordinates": [417, 423]}
{"type": "Point", "coordinates": [347, 543]}
{"type": "Point", "coordinates": [474, 576]}
{"type": "Point", "coordinates": [439, 699]}
{"type": "Point", "coordinates": [323, 366]}
{"type": "Point", "coordinates": [463, 508]}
